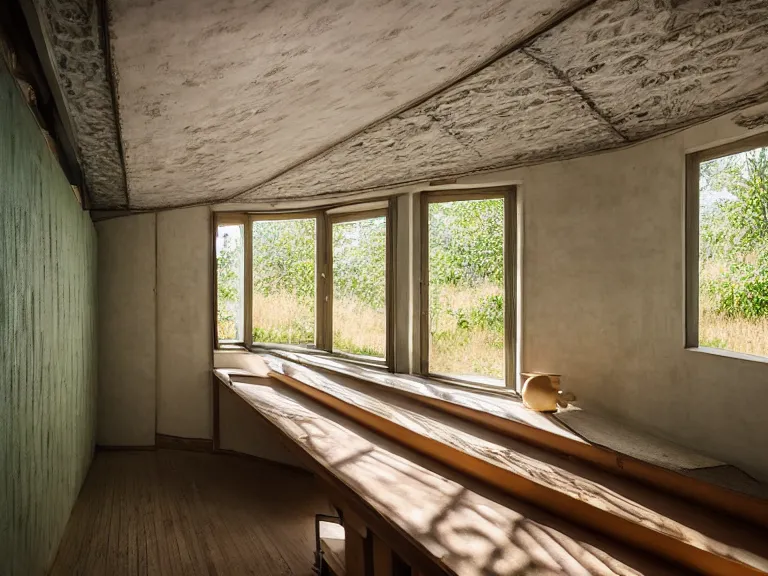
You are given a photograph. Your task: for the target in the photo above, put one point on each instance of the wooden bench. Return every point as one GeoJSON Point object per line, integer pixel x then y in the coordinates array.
{"type": "Point", "coordinates": [436, 519]}
{"type": "Point", "coordinates": [720, 487]}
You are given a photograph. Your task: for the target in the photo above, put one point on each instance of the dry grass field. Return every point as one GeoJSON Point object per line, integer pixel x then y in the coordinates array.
{"type": "Point", "coordinates": [719, 331]}
{"type": "Point", "coordinates": [359, 329]}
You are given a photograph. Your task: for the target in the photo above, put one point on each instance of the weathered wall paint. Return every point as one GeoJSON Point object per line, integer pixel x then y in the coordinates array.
{"type": "Point", "coordinates": [47, 342]}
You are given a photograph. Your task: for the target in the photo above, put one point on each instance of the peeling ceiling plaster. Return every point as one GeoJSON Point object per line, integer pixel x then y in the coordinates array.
{"type": "Point", "coordinates": [617, 71]}
{"type": "Point", "coordinates": [71, 32]}
{"type": "Point", "coordinates": [218, 96]}
{"type": "Point", "coordinates": [655, 66]}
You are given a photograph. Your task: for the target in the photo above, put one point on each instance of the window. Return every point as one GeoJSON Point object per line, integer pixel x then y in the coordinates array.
{"type": "Point", "coordinates": [325, 280]}
{"type": "Point", "coordinates": [283, 262]}
{"type": "Point", "coordinates": [316, 279]}
{"type": "Point", "coordinates": [359, 296]}
{"type": "Point", "coordinates": [727, 248]}
{"type": "Point", "coordinates": [467, 287]}
{"type": "Point", "coordinates": [230, 290]}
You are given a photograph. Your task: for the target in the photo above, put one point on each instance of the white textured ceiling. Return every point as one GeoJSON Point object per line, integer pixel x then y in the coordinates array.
{"type": "Point", "coordinates": [615, 72]}
{"type": "Point", "coordinates": [218, 96]}
{"type": "Point", "coordinates": [242, 100]}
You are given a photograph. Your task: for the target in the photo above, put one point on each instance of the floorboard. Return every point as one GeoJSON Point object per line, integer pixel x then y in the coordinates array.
{"type": "Point", "coordinates": [185, 513]}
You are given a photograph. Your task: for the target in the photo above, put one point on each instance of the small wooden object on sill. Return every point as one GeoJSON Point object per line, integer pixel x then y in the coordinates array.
{"type": "Point", "coordinates": [542, 393]}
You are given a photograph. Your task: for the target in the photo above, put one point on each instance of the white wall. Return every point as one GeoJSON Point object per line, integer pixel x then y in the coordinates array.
{"type": "Point", "coordinates": [155, 350]}
{"type": "Point", "coordinates": [126, 331]}
{"type": "Point", "coordinates": [603, 298]}
{"type": "Point", "coordinates": [184, 332]}
{"type": "Point", "coordinates": [602, 304]}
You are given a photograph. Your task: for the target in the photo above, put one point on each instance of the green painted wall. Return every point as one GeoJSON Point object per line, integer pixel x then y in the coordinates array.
{"type": "Point", "coordinates": [47, 342]}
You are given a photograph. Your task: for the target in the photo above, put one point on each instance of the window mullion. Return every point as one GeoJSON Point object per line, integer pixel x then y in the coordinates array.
{"type": "Point", "coordinates": [510, 283]}
{"type": "Point", "coordinates": [248, 279]}
{"type": "Point", "coordinates": [324, 284]}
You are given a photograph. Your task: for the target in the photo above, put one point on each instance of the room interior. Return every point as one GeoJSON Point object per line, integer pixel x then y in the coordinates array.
{"type": "Point", "coordinates": [156, 159]}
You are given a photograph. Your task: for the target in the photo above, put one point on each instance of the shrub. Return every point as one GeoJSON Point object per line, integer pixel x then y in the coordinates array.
{"type": "Point", "coordinates": [742, 291]}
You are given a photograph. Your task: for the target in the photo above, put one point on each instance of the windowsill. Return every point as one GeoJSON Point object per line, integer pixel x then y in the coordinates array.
{"type": "Point", "coordinates": [341, 366]}
{"type": "Point", "coordinates": [469, 382]}
{"type": "Point", "coordinates": [358, 359]}
{"type": "Point", "coordinates": [303, 348]}
{"type": "Point", "coordinates": [728, 354]}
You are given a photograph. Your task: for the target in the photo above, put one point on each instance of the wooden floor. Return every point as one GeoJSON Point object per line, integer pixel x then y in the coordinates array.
{"type": "Point", "coordinates": [185, 513]}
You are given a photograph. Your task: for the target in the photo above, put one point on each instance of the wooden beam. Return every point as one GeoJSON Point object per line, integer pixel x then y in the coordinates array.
{"type": "Point", "coordinates": [382, 557]}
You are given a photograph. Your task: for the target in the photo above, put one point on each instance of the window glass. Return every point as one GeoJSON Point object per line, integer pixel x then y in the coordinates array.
{"type": "Point", "coordinates": [733, 252]}
{"type": "Point", "coordinates": [360, 287]}
{"type": "Point", "coordinates": [284, 281]}
{"type": "Point", "coordinates": [231, 285]}
{"type": "Point", "coordinates": [466, 289]}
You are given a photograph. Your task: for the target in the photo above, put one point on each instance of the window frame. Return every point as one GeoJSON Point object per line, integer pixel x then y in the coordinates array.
{"type": "Point", "coordinates": [356, 216]}
{"type": "Point", "coordinates": [325, 218]}
{"type": "Point", "coordinates": [276, 216]}
{"type": "Point", "coordinates": [693, 162]}
{"type": "Point", "coordinates": [226, 219]}
{"type": "Point", "coordinates": [510, 256]}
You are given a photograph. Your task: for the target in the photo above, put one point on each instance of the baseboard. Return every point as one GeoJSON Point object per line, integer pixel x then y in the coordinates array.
{"type": "Point", "coordinates": [110, 448]}
{"type": "Point", "coordinates": [260, 460]}
{"type": "Point", "coordinates": [166, 442]}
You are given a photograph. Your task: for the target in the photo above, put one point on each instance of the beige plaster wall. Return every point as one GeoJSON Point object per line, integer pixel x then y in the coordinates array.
{"type": "Point", "coordinates": [184, 337]}
{"type": "Point", "coordinates": [602, 303]}
{"type": "Point", "coordinates": [603, 298]}
{"type": "Point", "coordinates": [126, 328]}
{"type": "Point", "coordinates": [155, 346]}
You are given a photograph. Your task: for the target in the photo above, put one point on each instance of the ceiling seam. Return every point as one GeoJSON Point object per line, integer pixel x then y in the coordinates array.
{"type": "Point", "coordinates": [445, 130]}
{"type": "Point", "coordinates": [106, 47]}
{"type": "Point", "coordinates": [563, 77]}
{"type": "Point", "coordinates": [565, 15]}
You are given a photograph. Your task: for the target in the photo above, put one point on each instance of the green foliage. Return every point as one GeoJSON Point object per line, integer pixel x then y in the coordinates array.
{"type": "Point", "coordinates": [742, 290]}
{"type": "Point", "coordinates": [359, 261]}
{"type": "Point", "coordinates": [466, 258]}
{"type": "Point", "coordinates": [466, 242]}
{"type": "Point", "coordinates": [229, 262]}
{"type": "Point", "coordinates": [284, 257]}
{"type": "Point", "coordinates": [489, 313]}
{"type": "Point", "coordinates": [296, 333]}
{"type": "Point", "coordinates": [466, 250]}
{"type": "Point", "coordinates": [734, 234]}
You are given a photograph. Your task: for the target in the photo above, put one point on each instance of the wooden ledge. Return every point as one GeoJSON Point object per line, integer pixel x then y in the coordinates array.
{"type": "Point", "coordinates": [544, 432]}
{"type": "Point", "coordinates": [617, 507]}
{"type": "Point", "coordinates": [439, 521]}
